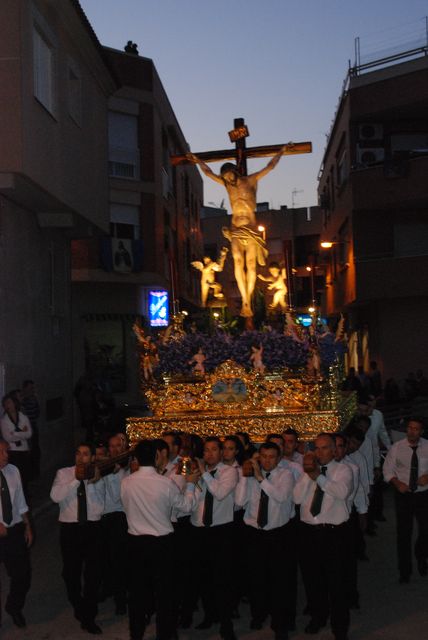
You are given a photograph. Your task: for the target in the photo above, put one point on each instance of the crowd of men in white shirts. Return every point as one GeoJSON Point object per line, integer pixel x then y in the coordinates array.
{"type": "Point", "coordinates": [285, 509]}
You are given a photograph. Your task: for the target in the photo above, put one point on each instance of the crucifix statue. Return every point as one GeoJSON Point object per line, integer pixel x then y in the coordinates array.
{"type": "Point", "coordinates": [248, 246]}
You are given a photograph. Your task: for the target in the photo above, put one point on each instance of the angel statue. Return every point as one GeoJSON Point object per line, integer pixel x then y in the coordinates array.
{"type": "Point", "coordinates": [208, 269]}
{"type": "Point", "coordinates": [149, 352]}
{"type": "Point", "coordinates": [198, 361]}
{"type": "Point", "coordinates": [278, 284]}
{"type": "Point", "coordinates": [256, 358]}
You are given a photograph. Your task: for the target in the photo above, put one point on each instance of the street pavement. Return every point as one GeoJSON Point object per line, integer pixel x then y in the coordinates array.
{"type": "Point", "coordinates": [389, 611]}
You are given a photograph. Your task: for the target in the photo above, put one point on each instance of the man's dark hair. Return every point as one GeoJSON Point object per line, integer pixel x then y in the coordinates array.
{"type": "Point", "coordinates": [196, 446]}
{"type": "Point", "coordinates": [341, 435]}
{"type": "Point", "coordinates": [89, 445]}
{"type": "Point", "coordinates": [244, 435]}
{"type": "Point", "coordinates": [214, 439]}
{"type": "Point", "coordinates": [291, 432]}
{"type": "Point", "coordinates": [361, 419]}
{"type": "Point", "coordinates": [239, 447]}
{"type": "Point", "coordinates": [325, 434]}
{"type": "Point", "coordinates": [417, 419]}
{"type": "Point", "coordinates": [277, 436]}
{"type": "Point", "coordinates": [177, 441]}
{"type": "Point", "coordinates": [145, 452]}
{"type": "Point", "coordinates": [11, 396]}
{"type": "Point", "coordinates": [160, 444]}
{"type": "Point", "coordinates": [272, 446]}
{"type": "Point", "coordinates": [27, 383]}
{"type": "Point", "coordinates": [354, 432]}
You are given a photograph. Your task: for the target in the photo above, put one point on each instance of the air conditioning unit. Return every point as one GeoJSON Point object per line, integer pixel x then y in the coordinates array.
{"type": "Point", "coordinates": [370, 155]}
{"type": "Point", "coordinates": [370, 132]}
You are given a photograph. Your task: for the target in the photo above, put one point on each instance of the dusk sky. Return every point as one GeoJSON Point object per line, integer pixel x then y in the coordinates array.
{"type": "Point", "coordinates": [279, 64]}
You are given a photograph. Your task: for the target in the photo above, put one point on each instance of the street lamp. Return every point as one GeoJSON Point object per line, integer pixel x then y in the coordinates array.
{"type": "Point", "coordinates": [262, 230]}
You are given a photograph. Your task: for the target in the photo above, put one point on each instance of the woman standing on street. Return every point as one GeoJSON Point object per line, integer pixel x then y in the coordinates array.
{"type": "Point", "coordinates": [16, 430]}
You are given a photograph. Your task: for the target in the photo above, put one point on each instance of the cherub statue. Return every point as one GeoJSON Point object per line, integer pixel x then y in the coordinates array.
{"type": "Point", "coordinates": [199, 359]}
{"type": "Point", "coordinates": [256, 358]}
{"type": "Point", "coordinates": [291, 329]}
{"type": "Point", "coordinates": [208, 269]}
{"type": "Point", "coordinates": [278, 284]}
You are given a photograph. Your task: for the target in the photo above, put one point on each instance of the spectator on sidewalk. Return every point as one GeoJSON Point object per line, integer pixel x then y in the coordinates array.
{"type": "Point", "coordinates": [16, 430]}
{"type": "Point", "coordinates": [15, 536]}
{"type": "Point", "coordinates": [31, 407]}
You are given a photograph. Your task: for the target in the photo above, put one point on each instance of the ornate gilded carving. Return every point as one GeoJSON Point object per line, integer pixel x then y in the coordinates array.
{"type": "Point", "coordinates": [233, 399]}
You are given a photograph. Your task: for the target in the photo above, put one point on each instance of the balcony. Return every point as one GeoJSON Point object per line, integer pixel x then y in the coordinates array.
{"type": "Point", "coordinates": [110, 260]}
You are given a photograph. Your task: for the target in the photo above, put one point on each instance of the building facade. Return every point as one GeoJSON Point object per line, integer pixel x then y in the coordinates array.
{"type": "Point", "coordinates": [53, 186]}
{"type": "Point", "coordinates": [153, 230]}
{"type": "Point", "coordinates": [374, 196]}
{"type": "Point", "coordinates": [92, 215]}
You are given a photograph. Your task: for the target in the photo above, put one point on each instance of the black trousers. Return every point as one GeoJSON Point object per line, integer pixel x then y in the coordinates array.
{"type": "Point", "coordinates": [272, 576]}
{"type": "Point", "coordinates": [15, 555]}
{"type": "Point", "coordinates": [410, 507]}
{"type": "Point", "coordinates": [188, 591]}
{"type": "Point", "coordinates": [213, 569]}
{"type": "Point", "coordinates": [152, 574]}
{"type": "Point", "coordinates": [351, 568]}
{"type": "Point", "coordinates": [81, 557]}
{"type": "Point", "coordinates": [323, 555]}
{"type": "Point", "coordinates": [114, 573]}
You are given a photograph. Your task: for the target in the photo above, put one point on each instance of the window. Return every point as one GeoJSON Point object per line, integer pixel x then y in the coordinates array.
{"type": "Point", "coordinates": [341, 169]}
{"type": "Point", "coordinates": [124, 154]}
{"type": "Point", "coordinates": [43, 70]}
{"type": "Point", "coordinates": [74, 92]}
{"type": "Point", "coordinates": [124, 221]}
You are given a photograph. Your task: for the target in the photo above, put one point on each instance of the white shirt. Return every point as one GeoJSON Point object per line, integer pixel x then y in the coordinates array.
{"type": "Point", "coordinates": [149, 498]}
{"type": "Point", "coordinates": [295, 467]}
{"type": "Point", "coordinates": [358, 497]}
{"type": "Point", "coordinates": [358, 459]}
{"type": "Point", "coordinates": [14, 437]}
{"type": "Point", "coordinates": [19, 506]}
{"type": "Point", "coordinates": [279, 488]}
{"type": "Point", "coordinates": [377, 431]}
{"type": "Point", "coordinates": [297, 457]}
{"type": "Point", "coordinates": [222, 487]}
{"type": "Point", "coordinates": [367, 451]}
{"type": "Point", "coordinates": [337, 485]}
{"type": "Point", "coordinates": [170, 472]}
{"type": "Point", "coordinates": [398, 461]}
{"type": "Point", "coordinates": [64, 492]}
{"type": "Point", "coordinates": [113, 483]}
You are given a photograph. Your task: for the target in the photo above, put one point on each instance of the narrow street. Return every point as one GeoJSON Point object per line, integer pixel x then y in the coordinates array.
{"type": "Point", "coordinates": [389, 611]}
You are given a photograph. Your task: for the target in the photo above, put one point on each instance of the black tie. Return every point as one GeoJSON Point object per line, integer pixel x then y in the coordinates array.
{"type": "Point", "coordinates": [262, 514]}
{"type": "Point", "coordinates": [318, 497]}
{"type": "Point", "coordinates": [82, 507]}
{"type": "Point", "coordinates": [207, 518]}
{"type": "Point", "coordinates": [414, 471]}
{"type": "Point", "coordinates": [6, 502]}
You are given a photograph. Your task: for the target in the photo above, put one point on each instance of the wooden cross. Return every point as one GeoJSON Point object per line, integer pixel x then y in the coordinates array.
{"type": "Point", "coordinates": [240, 154]}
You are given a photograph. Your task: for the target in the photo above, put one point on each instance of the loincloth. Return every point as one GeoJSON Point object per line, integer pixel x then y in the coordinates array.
{"type": "Point", "coordinates": [245, 237]}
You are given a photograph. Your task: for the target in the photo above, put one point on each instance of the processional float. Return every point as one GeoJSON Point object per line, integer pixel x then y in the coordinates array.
{"type": "Point", "coordinates": [257, 381]}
